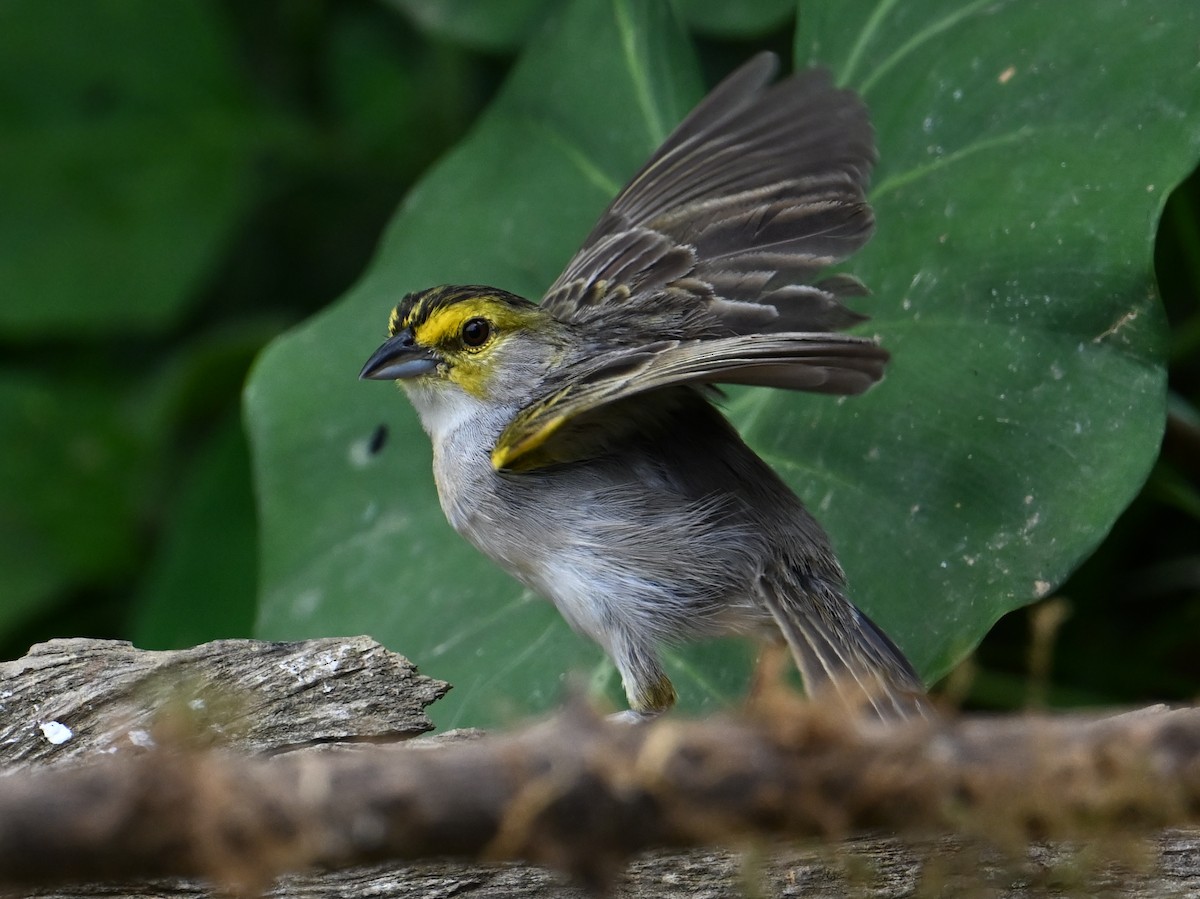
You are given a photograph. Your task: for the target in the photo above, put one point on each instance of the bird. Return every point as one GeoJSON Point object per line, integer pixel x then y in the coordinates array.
{"type": "Point", "coordinates": [578, 442]}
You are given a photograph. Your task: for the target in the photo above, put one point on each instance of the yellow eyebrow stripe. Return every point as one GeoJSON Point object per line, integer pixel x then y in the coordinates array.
{"type": "Point", "coordinates": [444, 324]}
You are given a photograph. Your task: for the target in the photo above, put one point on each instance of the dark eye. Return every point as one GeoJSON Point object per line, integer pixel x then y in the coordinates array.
{"type": "Point", "coordinates": [476, 332]}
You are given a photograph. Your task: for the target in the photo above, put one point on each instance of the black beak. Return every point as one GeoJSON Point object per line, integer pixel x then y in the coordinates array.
{"type": "Point", "coordinates": [399, 357]}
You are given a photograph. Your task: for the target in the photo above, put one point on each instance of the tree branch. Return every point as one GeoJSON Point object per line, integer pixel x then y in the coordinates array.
{"type": "Point", "coordinates": [583, 794]}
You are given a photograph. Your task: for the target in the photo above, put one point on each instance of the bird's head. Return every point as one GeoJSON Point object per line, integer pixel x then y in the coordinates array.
{"type": "Point", "coordinates": [460, 351]}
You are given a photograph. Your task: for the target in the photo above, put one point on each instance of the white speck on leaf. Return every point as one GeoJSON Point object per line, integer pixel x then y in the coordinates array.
{"type": "Point", "coordinates": [306, 603]}
{"type": "Point", "coordinates": [359, 454]}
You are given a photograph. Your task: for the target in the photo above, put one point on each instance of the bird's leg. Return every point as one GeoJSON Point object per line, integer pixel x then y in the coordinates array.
{"type": "Point", "coordinates": [647, 687]}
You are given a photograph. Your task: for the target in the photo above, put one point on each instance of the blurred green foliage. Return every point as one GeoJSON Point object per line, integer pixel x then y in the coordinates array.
{"type": "Point", "coordinates": [183, 182]}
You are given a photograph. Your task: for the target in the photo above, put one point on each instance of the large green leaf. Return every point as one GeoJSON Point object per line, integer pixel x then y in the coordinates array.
{"type": "Point", "coordinates": [735, 18]}
{"type": "Point", "coordinates": [1011, 274]}
{"type": "Point", "coordinates": [1025, 158]}
{"type": "Point", "coordinates": [200, 584]}
{"type": "Point", "coordinates": [124, 161]}
{"type": "Point", "coordinates": [485, 24]}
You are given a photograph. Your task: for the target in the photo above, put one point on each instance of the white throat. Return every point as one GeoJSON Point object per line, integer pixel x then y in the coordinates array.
{"type": "Point", "coordinates": [444, 409]}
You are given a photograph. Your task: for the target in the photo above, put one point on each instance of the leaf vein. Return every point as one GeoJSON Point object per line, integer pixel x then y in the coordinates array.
{"type": "Point", "coordinates": [923, 36]}
{"type": "Point", "coordinates": [874, 21]}
{"type": "Point", "coordinates": [641, 80]}
{"type": "Point", "coordinates": [901, 179]}
{"type": "Point", "coordinates": [578, 157]}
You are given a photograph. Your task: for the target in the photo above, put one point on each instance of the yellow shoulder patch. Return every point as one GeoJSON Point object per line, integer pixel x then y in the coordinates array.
{"type": "Point", "coordinates": [515, 450]}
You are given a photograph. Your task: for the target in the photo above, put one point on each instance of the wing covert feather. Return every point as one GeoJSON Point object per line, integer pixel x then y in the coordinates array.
{"type": "Point", "coordinates": [820, 363]}
{"type": "Point", "coordinates": [760, 187]}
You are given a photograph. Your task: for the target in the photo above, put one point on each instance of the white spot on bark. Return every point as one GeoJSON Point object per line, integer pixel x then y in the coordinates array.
{"type": "Point", "coordinates": [56, 732]}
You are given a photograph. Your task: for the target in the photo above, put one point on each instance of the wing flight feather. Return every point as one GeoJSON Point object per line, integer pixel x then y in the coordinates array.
{"type": "Point", "coordinates": [703, 270]}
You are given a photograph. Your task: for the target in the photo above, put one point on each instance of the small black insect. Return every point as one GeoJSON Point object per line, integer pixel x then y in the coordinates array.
{"type": "Point", "coordinates": [378, 440]}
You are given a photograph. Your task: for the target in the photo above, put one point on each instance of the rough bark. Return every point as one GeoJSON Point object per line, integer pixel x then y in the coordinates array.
{"type": "Point", "coordinates": [238, 761]}
{"type": "Point", "coordinates": [68, 700]}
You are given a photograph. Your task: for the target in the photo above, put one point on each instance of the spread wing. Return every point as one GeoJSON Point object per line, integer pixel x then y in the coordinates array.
{"type": "Point", "coordinates": [724, 229]}
{"type": "Point", "coordinates": [823, 363]}
{"type": "Point", "coordinates": [702, 270]}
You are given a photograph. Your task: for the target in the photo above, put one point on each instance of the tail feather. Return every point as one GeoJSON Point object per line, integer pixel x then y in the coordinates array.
{"type": "Point", "coordinates": [841, 652]}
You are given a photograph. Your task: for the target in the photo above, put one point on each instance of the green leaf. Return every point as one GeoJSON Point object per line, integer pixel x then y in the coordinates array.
{"type": "Point", "coordinates": [735, 18]}
{"type": "Point", "coordinates": [85, 469]}
{"type": "Point", "coordinates": [123, 164]}
{"type": "Point", "coordinates": [201, 584]}
{"type": "Point", "coordinates": [1007, 338]}
{"type": "Point", "coordinates": [70, 484]}
{"type": "Point", "coordinates": [1020, 183]}
{"type": "Point", "coordinates": [483, 24]}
